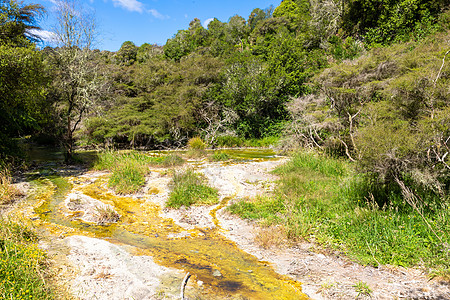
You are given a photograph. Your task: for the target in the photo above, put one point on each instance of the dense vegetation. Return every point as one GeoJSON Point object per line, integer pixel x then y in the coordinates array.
{"type": "Point", "coordinates": [366, 81]}
{"type": "Point", "coordinates": [320, 199]}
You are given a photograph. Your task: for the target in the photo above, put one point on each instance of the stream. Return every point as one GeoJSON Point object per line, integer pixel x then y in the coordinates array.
{"type": "Point", "coordinates": [158, 246]}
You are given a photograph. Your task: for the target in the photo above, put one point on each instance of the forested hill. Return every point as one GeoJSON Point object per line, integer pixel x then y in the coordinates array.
{"type": "Point", "coordinates": [365, 65]}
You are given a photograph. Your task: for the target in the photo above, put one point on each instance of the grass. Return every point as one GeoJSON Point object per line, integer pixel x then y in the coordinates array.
{"type": "Point", "coordinates": [106, 214]}
{"type": "Point", "coordinates": [7, 191]}
{"type": "Point", "coordinates": [362, 289]}
{"type": "Point", "coordinates": [189, 188]}
{"type": "Point", "coordinates": [129, 169]}
{"type": "Point", "coordinates": [22, 264]}
{"type": "Point", "coordinates": [219, 156]}
{"type": "Point", "coordinates": [322, 199]}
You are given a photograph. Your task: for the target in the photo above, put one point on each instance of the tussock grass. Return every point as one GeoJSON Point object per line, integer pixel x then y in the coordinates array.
{"type": "Point", "coordinates": [322, 199]}
{"type": "Point", "coordinates": [129, 169]}
{"type": "Point", "coordinates": [7, 191]}
{"type": "Point", "coordinates": [189, 188]}
{"type": "Point", "coordinates": [106, 214]}
{"type": "Point", "coordinates": [22, 264]}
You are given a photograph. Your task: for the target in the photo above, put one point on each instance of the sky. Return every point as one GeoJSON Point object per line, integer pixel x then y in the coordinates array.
{"type": "Point", "coordinates": [150, 21]}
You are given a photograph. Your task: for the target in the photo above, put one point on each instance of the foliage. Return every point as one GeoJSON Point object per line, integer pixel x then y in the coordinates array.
{"type": "Point", "coordinates": [127, 53]}
{"type": "Point", "coordinates": [196, 143]}
{"type": "Point", "coordinates": [23, 266]}
{"type": "Point", "coordinates": [387, 21]}
{"type": "Point", "coordinates": [321, 198]}
{"type": "Point", "coordinates": [160, 103]}
{"type": "Point", "coordinates": [106, 214]}
{"type": "Point", "coordinates": [22, 92]}
{"type": "Point", "coordinates": [189, 188]}
{"type": "Point", "coordinates": [17, 22]}
{"type": "Point", "coordinates": [386, 111]}
{"type": "Point", "coordinates": [362, 288]}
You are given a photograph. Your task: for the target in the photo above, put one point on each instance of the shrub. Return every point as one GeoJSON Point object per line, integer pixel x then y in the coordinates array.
{"type": "Point", "coordinates": [105, 214]}
{"type": "Point", "coordinates": [172, 160]}
{"type": "Point", "coordinates": [196, 143]}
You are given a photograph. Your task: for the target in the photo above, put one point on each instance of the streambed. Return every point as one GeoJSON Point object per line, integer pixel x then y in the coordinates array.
{"type": "Point", "coordinates": [146, 254]}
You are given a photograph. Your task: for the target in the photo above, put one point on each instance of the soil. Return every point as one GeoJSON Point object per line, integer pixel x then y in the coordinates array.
{"type": "Point", "coordinates": [100, 269]}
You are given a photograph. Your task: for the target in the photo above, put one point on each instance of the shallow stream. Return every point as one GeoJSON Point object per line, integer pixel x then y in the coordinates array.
{"type": "Point", "coordinates": [220, 269]}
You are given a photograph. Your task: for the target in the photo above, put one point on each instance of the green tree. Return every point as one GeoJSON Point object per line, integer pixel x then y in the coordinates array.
{"type": "Point", "coordinates": [127, 53]}
{"type": "Point", "coordinates": [17, 22]}
{"type": "Point", "coordinates": [22, 81]}
{"type": "Point", "coordinates": [186, 41]}
{"type": "Point", "coordinates": [296, 12]}
{"type": "Point", "coordinates": [256, 16]}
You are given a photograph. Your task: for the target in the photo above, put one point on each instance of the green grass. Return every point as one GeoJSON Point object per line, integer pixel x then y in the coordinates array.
{"type": "Point", "coordinates": [130, 168]}
{"type": "Point", "coordinates": [321, 198]}
{"type": "Point", "coordinates": [22, 264]}
{"type": "Point", "coordinates": [189, 188]}
{"type": "Point", "coordinates": [219, 156]}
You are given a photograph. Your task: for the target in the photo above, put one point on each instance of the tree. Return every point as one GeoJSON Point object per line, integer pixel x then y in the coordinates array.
{"type": "Point", "coordinates": [257, 15]}
{"type": "Point", "coordinates": [22, 84]}
{"type": "Point", "coordinates": [76, 79]}
{"type": "Point", "coordinates": [17, 22]}
{"type": "Point", "coordinates": [127, 53]}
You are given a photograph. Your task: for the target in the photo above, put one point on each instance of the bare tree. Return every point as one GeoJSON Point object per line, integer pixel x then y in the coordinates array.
{"type": "Point", "coordinates": [77, 80]}
{"type": "Point", "coordinates": [76, 26]}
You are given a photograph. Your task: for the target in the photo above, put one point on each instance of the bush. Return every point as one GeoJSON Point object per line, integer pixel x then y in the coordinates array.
{"type": "Point", "coordinates": [196, 143]}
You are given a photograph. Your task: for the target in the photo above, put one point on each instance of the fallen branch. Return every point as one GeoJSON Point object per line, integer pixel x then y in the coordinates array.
{"type": "Point", "coordinates": [183, 285]}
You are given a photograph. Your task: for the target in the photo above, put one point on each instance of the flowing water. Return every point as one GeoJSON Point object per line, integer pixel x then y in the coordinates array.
{"type": "Point", "coordinates": [225, 270]}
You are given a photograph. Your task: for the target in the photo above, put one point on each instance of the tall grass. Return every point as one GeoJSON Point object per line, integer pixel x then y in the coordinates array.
{"type": "Point", "coordinates": [129, 169]}
{"type": "Point", "coordinates": [321, 198]}
{"type": "Point", "coordinates": [22, 264]}
{"type": "Point", "coordinates": [7, 191]}
{"type": "Point", "coordinates": [188, 188]}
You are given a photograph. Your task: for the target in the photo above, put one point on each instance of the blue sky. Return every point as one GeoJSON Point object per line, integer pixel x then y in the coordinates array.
{"type": "Point", "coordinates": [152, 21]}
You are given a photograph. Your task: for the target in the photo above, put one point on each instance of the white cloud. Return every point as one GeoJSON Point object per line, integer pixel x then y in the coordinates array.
{"type": "Point", "coordinates": [157, 14]}
{"type": "Point", "coordinates": [44, 35]}
{"type": "Point", "coordinates": [207, 21]}
{"type": "Point", "coordinates": [131, 5]}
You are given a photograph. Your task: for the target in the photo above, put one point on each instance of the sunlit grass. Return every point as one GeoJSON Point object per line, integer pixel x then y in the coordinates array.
{"type": "Point", "coordinates": [189, 188]}
{"type": "Point", "coordinates": [7, 191]}
{"type": "Point", "coordinates": [321, 198]}
{"type": "Point", "coordinates": [130, 168]}
{"type": "Point", "coordinates": [22, 264]}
